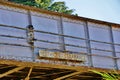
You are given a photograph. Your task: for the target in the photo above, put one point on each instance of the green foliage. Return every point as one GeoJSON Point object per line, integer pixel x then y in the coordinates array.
{"type": "Point", "coordinates": [108, 76]}
{"type": "Point", "coordinates": [60, 7]}
{"type": "Point", "coordinates": [25, 2]}
{"type": "Point", "coordinates": [44, 4]}
{"type": "Point", "coordinates": [47, 5]}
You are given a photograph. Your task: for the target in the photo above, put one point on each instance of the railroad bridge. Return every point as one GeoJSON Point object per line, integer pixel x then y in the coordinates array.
{"type": "Point", "coordinates": [36, 44]}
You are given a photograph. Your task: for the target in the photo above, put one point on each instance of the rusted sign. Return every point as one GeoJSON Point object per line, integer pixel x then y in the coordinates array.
{"type": "Point", "coordinates": [60, 56]}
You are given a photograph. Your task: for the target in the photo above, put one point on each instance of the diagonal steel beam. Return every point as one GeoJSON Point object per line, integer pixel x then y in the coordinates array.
{"type": "Point", "coordinates": [5, 67]}
{"type": "Point", "coordinates": [52, 74]}
{"type": "Point", "coordinates": [66, 76]}
{"type": "Point", "coordinates": [28, 76]}
{"type": "Point", "coordinates": [11, 71]}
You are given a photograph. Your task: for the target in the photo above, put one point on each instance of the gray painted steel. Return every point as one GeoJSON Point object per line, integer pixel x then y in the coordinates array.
{"type": "Point", "coordinates": [56, 33]}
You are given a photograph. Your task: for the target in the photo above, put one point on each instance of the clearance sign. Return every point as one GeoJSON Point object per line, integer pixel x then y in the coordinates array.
{"type": "Point", "coordinates": [59, 56]}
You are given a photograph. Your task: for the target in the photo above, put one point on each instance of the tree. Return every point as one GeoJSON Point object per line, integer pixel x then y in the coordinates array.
{"type": "Point", "coordinates": [108, 76]}
{"type": "Point", "coordinates": [60, 7]}
{"type": "Point", "coordinates": [47, 5]}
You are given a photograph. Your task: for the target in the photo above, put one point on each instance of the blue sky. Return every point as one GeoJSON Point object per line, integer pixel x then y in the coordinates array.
{"type": "Point", "coordinates": [106, 10]}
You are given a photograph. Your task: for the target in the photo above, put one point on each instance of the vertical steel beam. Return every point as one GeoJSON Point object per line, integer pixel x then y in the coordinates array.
{"type": "Point", "coordinates": [32, 45]}
{"type": "Point", "coordinates": [113, 48]}
{"type": "Point", "coordinates": [88, 44]}
{"type": "Point", "coordinates": [61, 31]}
{"type": "Point", "coordinates": [29, 18]}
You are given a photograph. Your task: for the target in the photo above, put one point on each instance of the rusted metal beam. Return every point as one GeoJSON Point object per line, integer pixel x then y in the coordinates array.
{"type": "Point", "coordinates": [5, 67]}
{"type": "Point", "coordinates": [28, 76]}
{"type": "Point", "coordinates": [66, 76]}
{"type": "Point", "coordinates": [58, 66]}
{"type": "Point", "coordinates": [83, 76]}
{"type": "Point", "coordinates": [52, 74]}
{"type": "Point", "coordinates": [11, 71]}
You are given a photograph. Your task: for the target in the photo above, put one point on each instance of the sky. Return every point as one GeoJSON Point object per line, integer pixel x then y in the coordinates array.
{"type": "Point", "coordinates": [105, 10]}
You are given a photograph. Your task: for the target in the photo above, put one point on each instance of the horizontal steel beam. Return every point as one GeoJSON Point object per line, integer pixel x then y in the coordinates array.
{"type": "Point", "coordinates": [16, 27]}
{"type": "Point", "coordinates": [58, 66]}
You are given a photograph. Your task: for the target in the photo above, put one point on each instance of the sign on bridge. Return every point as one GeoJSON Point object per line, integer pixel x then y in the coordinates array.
{"type": "Point", "coordinates": [61, 56]}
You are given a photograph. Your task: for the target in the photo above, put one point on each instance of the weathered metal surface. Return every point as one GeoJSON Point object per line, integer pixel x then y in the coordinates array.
{"type": "Point", "coordinates": [62, 57]}
{"type": "Point", "coordinates": [57, 32]}
{"type": "Point", "coordinates": [43, 71]}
